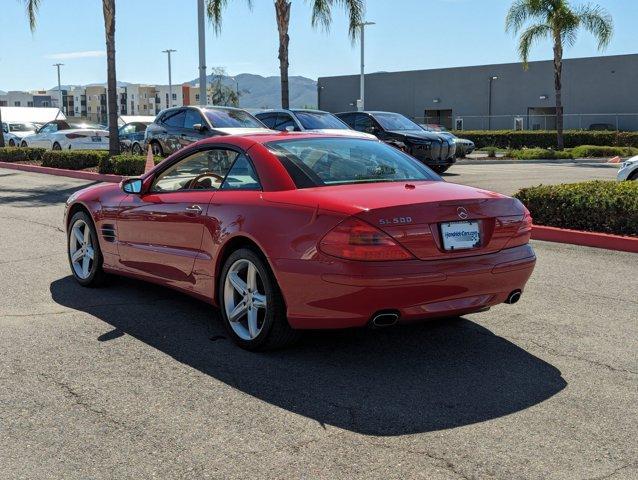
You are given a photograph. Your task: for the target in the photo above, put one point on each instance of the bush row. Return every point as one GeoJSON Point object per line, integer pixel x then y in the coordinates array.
{"type": "Point", "coordinates": [598, 206]}
{"type": "Point", "coordinates": [128, 165]}
{"type": "Point", "coordinates": [73, 160]}
{"type": "Point", "coordinates": [15, 154]}
{"type": "Point", "coordinates": [584, 151]}
{"type": "Point", "coordinates": [547, 139]}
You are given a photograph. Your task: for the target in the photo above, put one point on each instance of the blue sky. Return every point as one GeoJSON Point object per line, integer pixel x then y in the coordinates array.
{"type": "Point", "coordinates": [409, 35]}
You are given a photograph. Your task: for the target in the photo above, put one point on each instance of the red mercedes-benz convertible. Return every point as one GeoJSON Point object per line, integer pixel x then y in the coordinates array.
{"type": "Point", "coordinates": [289, 231]}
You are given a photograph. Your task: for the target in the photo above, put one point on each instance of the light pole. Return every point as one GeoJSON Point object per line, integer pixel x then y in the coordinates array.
{"type": "Point", "coordinates": [60, 106]}
{"type": "Point", "coordinates": [170, 81]}
{"type": "Point", "coordinates": [201, 31]}
{"type": "Point", "coordinates": [489, 104]}
{"type": "Point", "coordinates": [361, 102]}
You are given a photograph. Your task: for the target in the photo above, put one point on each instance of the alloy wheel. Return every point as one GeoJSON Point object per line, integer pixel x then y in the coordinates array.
{"type": "Point", "coordinates": [245, 300]}
{"type": "Point", "coordinates": [81, 249]}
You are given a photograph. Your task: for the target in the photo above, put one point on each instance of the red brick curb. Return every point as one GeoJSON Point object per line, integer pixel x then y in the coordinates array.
{"type": "Point", "coordinates": [61, 172]}
{"type": "Point", "coordinates": [588, 239]}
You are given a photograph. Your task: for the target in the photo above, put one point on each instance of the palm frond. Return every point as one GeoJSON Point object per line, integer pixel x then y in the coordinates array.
{"type": "Point", "coordinates": [215, 9]}
{"type": "Point", "coordinates": [529, 37]}
{"type": "Point", "coordinates": [523, 10]}
{"type": "Point", "coordinates": [597, 21]}
{"type": "Point", "coordinates": [32, 7]}
{"type": "Point", "coordinates": [322, 13]}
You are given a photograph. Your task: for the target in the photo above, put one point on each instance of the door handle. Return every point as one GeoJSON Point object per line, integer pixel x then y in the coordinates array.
{"type": "Point", "coordinates": [196, 209]}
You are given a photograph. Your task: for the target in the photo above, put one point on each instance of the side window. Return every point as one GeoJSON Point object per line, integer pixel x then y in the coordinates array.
{"type": "Point", "coordinates": [126, 129]}
{"type": "Point", "coordinates": [242, 176]}
{"type": "Point", "coordinates": [193, 117]}
{"type": "Point", "coordinates": [203, 170]}
{"type": "Point", "coordinates": [174, 119]}
{"type": "Point", "coordinates": [284, 120]}
{"type": "Point", "coordinates": [140, 127]}
{"type": "Point", "coordinates": [348, 119]}
{"type": "Point", "coordinates": [268, 120]}
{"type": "Point", "coordinates": [363, 123]}
{"type": "Point", "coordinates": [62, 126]}
{"type": "Point", "coordinates": [49, 128]}
{"type": "Point", "coordinates": [5, 128]}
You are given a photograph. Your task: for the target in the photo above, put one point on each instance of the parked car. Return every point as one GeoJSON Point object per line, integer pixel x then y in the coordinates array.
{"type": "Point", "coordinates": [463, 145]}
{"type": "Point", "coordinates": [177, 127]}
{"type": "Point", "coordinates": [305, 120]}
{"type": "Point", "coordinates": [602, 127]}
{"type": "Point", "coordinates": [14, 132]}
{"type": "Point", "coordinates": [433, 149]}
{"type": "Point", "coordinates": [285, 232]}
{"type": "Point", "coordinates": [629, 169]}
{"type": "Point", "coordinates": [61, 135]}
{"type": "Point", "coordinates": [132, 137]}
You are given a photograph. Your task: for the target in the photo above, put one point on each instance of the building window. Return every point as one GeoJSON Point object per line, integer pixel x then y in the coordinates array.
{"type": "Point", "coordinates": [16, 103]}
{"type": "Point", "coordinates": [89, 109]}
{"type": "Point", "coordinates": [29, 104]}
{"type": "Point", "coordinates": [174, 96]}
{"type": "Point", "coordinates": [197, 97]}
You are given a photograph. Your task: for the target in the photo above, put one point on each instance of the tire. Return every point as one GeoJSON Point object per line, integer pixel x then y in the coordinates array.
{"type": "Point", "coordinates": [56, 146]}
{"type": "Point", "coordinates": [271, 329]}
{"type": "Point", "coordinates": [12, 143]}
{"type": "Point", "coordinates": [24, 145]}
{"type": "Point", "coordinates": [136, 149]}
{"type": "Point", "coordinates": [440, 168]}
{"type": "Point", "coordinates": [93, 275]}
{"type": "Point", "coordinates": [633, 176]}
{"type": "Point", "coordinates": [157, 149]}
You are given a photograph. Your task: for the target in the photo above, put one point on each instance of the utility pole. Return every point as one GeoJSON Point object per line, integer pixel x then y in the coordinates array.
{"type": "Point", "coordinates": [201, 30]}
{"type": "Point", "coordinates": [489, 104]}
{"type": "Point", "coordinates": [60, 106]}
{"type": "Point", "coordinates": [361, 102]}
{"type": "Point", "coordinates": [170, 81]}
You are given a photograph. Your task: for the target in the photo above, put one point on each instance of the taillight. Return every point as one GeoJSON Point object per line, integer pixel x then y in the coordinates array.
{"type": "Point", "coordinates": [355, 239]}
{"type": "Point", "coordinates": [524, 232]}
{"type": "Point", "coordinates": [526, 226]}
{"type": "Point", "coordinates": [74, 135]}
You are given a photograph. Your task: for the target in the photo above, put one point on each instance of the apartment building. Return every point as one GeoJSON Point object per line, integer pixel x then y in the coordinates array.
{"type": "Point", "coordinates": [17, 99]}
{"type": "Point", "coordinates": [142, 100]}
{"type": "Point", "coordinates": [79, 102]}
{"type": "Point", "coordinates": [163, 93]}
{"type": "Point", "coordinates": [96, 110]}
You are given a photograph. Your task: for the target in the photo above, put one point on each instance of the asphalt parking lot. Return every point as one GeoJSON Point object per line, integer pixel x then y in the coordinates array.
{"type": "Point", "coordinates": [136, 381]}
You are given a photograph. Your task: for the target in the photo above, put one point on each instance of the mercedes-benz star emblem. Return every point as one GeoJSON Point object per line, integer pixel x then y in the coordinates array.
{"type": "Point", "coordinates": [462, 213]}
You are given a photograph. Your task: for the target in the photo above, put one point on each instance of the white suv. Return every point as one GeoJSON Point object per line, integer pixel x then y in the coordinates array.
{"type": "Point", "coordinates": [629, 169]}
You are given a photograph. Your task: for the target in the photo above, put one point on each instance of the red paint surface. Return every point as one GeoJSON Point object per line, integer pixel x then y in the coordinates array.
{"type": "Point", "coordinates": [588, 239]}
{"type": "Point", "coordinates": [157, 240]}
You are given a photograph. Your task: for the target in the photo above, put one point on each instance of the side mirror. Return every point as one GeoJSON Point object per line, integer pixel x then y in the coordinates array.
{"type": "Point", "coordinates": [290, 128]}
{"type": "Point", "coordinates": [199, 127]}
{"type": "Point", "coordinates": [132, 185]}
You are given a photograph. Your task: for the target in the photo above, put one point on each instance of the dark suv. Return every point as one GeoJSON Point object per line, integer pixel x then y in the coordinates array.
{"type": "Point", "coordinates": [176, 127]}
{"type": "Point", "coordinates": [433, 149]}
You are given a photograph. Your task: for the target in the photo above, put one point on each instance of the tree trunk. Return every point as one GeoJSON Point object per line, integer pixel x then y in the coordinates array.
{"type": "Point", "coordinates": [282, 9]}
{"type": "Point", "coordinates": [108, 6]}
{"type": "Point", "coordinates": [558, 74]}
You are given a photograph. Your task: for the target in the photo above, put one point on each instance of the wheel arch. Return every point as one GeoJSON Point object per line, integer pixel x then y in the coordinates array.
{"type": "Point", "coordinates": [75, 208]}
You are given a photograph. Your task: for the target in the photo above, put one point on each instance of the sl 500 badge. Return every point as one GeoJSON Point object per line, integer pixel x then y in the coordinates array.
{"type": "Point", "coordinates": [395, 221]}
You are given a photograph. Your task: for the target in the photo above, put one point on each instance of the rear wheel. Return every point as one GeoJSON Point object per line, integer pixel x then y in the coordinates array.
{"type": "Point", "coordinates": [157, 149]}
{"type": "Point", "coordinates": [634, 175]}
{"type": "Point", "coordinates": [85, 256]}
{"type": "Point", "coordinates": [252, 306]}
{"type": "Point", "coordinates": [137, 149]}
{"type": "Point", "coordinates": [12, 143]}
{"type": "Point", "coordinates": [440, 168]}
{"type": "Point", "coordinates": [24, 145]}
{"type": "Point", "coordinates": [56, 146]}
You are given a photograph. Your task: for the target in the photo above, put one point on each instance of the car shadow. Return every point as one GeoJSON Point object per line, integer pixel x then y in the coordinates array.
{"type": "Point", "coordinates": [38, 197]}
{"type": "Point", "coordinates": [397, 381]}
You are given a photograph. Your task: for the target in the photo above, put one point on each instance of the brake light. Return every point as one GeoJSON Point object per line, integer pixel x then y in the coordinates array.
{"type": "Point", "coordinates": [74, 135]}
{"type": "Point", "coordinates": [524, 232]}
{"type": "Point", "coordinates": [355, 239]}
{"type": "Point", "coordinates": [527, 223]}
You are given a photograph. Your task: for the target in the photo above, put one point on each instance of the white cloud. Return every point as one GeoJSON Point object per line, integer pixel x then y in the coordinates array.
{"type": "Point", "coordinates": [75, 55]}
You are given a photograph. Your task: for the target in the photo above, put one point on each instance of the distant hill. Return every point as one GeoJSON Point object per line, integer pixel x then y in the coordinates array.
{"type": "Point", "coordinates": [265, 92]}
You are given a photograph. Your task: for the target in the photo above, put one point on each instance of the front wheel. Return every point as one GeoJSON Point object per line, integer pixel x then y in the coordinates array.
{"type": "Point", "coordinates": [12, 143]}
{"type": "Point", "coordinates": [440, 168]}
{"type": "Point", "coordinates": [24, 145]}
{"type": "Point", "coordinates": [85, 256]}
{"type": "Point", "coordinates": [56, 146]}
{"type": "Point", "coordinates": [157, 149]}
{"type": "Point", "coordinates": [137, 149]}
{"type": "Point", "coordinates": [252, 306]}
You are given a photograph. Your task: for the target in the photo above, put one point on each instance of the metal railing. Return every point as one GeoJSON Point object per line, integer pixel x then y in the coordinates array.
{"type": "Point", "coordinates": [573, 121]}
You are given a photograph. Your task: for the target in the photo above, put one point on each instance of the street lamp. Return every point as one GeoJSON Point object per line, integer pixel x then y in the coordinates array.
{"type": "Point", "coordinates": [201, 33]}
{"type": "Point", "coordinates": [170, 82]}
{"type": "Point", "coordinates": [60, 106]}
{"type": "Point", "coordinates": [361, 102]}
{"type": "Point", "coordinates": [489, 104]}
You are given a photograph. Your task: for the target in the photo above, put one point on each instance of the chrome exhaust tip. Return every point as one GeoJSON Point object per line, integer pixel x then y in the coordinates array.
{"type": "Point", "coordinates": [513, 297]}
{"type": "Point", "coordinates": [384, 319]}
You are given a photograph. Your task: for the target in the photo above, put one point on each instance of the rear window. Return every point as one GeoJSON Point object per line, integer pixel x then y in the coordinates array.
{"type": "Point", "coordinates": [318, 121]}
{"type": "Point", "coordinates": [221, 118]}
{"type": "Point", "coordinates": [319, 162]}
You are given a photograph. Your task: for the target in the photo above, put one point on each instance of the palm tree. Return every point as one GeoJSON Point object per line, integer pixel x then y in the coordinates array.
{"type": "Point", "coordinates": [108, 8]}
{"type": "Point", "coordinates": [321, 15]}
{"type": "Point", "coordinates": [558, 21]}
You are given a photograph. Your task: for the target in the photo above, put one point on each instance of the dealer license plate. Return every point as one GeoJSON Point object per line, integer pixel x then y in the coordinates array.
{"type": "Point", "coordinates": [96, 139]}
{"type": "Point", "coordinates": [461, 235]}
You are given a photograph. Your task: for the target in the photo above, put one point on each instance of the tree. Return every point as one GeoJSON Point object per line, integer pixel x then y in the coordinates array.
{"type": "Point", "coordinates": [558, 21]}
{"type": "Point", "coordinates": [321, 15]}
{"type": "Point", "coordinates": [220, 93]}
{"type": "Point", "coordinates": [108, 10]}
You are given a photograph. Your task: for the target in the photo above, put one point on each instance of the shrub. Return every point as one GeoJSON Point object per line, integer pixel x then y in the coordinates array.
{"type": "Point", "coordinates": [73, 159]}
{"type": "Point", "coordinates": [15, 154]}
{"type": "Point", "coordinates": [598, 206]}
{"type": "Point", "coordinates": [538, 154]}
{"type": "Point", "coordinates": [128, 165]}
{"type": "Point", "coordinates": [491, 151]}
{"type": "Point", "coordinates": [595, 151]}
{"type": "Point", "coordinates": [547, 139]}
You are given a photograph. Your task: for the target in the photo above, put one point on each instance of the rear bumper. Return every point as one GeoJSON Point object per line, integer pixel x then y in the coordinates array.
{"type": "Point", "coordinates": [331, 293]}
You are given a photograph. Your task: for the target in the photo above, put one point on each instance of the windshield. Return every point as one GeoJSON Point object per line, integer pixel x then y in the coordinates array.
{"type": "Point", "coordinates": [22, 127]}
{"type": "Point", "coordinates": [221, 118]}
{"type": "Point", "coordinates": [319, 162]}
{"type": "Point", "coordinates": [320, 120]}
{"type": "Point", "coordinates": [395, 121]}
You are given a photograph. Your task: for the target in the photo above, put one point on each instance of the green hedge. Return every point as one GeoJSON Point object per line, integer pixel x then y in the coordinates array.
{"type": "Point", "coordinates": [74, 159]}
{"type": "Point", "coordinates": [15, 154]}
{"type": "Point", "coordinates": [595, 151]}
{"type": "Point", "coordinates": [538, 154]}
{"type": "Point", "coordinates": [128, 165]}
{"type": "Point", "coordinates": [547, 139]}
{"type": "Point", "coordinates": [598, 206]}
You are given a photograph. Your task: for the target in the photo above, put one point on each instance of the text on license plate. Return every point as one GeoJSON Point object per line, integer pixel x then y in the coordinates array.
{"type": "Point", "coordinates": [96, 139]}
{"type": "Point", "coordinates": [459, 235]}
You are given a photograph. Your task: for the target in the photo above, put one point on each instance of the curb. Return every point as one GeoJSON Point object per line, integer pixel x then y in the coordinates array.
{"type": "Point", "coordinates": [61, 172]}
{"type": "Point", "coordinates": [510, 161]}
{"type": "Point", "coordinates": [587, 239]}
